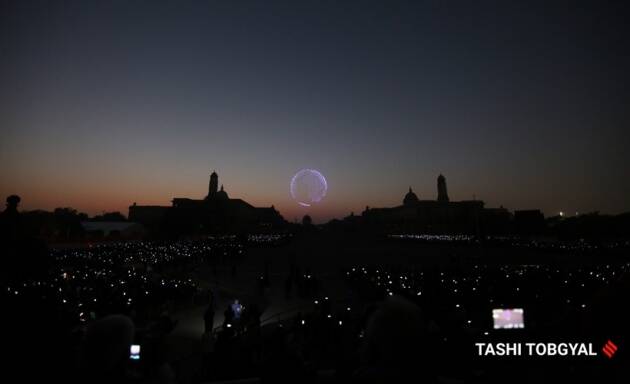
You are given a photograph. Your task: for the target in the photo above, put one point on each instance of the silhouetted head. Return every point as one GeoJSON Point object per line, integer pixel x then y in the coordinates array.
{"type": "Point", "coordinates": [394, 336]}
{"type": "Point", "coordinates": [105, 350]}
{"type": "Point", "coordinates": [12, 202]}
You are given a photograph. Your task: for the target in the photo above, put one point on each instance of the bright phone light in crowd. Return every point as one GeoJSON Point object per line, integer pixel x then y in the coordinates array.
{"type": "Point", "coordinates": [508, 318]}
{"type": "Point", "coordinates": [134, 352]}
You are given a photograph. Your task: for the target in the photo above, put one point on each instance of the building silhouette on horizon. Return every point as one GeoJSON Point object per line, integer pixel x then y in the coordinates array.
{"type": "Point", "coordinates": [436, 216]}
{"type": "Point", "coordinates": [217, 212]}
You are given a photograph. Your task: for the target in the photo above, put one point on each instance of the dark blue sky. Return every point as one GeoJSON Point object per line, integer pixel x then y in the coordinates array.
{"type": "Point", "coordinates": [522, 104]}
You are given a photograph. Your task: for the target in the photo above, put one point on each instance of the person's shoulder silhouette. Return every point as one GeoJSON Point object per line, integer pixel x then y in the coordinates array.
{"type": "Point", "coordinates": [24, 254]}
{"type": "Point", "coordinates": [10, 218]}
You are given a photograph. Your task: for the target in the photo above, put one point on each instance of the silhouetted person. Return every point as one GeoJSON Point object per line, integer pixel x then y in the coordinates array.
{"type": "Point", "coordinates": [253, 315]}
{"type": "Point", "coordinates": [237, 310]}
{"type": "Point", "coordinates": [394, 344]}
{"type": "Point", "coordinates": [104, 354]}
{"type": "Point", "coordinates": [208, 318]}
{"type": "Point", "coordinates": [211, 298]}
{"type": "Point", "coordinates": [10, 216]}
{"type": "Point", "coordinates": [9, 227]}
{"type": "Point", "coordinates": [23, 255]}
{"type": "Point", "coordinates": [288, 286]}
{"type": "Point", "coordinates": [228, 316]}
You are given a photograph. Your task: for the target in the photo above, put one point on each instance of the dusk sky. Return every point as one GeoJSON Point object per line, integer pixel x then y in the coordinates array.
{"type": "Point", "coordinates": [521, 104]}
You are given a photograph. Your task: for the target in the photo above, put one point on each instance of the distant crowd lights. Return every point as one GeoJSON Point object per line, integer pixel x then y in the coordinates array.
{"type": "Point", "coordinates": [273, 238]}
{"type": "Point", "coordinates": [100, 279]}
{"type": "Point", "coordinates": [465, 290]}
{"type": "Point", "coordinates": [513, 241]}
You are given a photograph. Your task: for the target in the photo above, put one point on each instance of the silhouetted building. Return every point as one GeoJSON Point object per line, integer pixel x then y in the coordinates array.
{"type": "Point", "coordinates": [434, 216]}
{"type": "Point", "coordinates": [217, 212]}
{"type": "Point", "coordinates": [149, 215]}
{"type": "Point", "coordinates": [529, 222]}
{"type": "Point", "coordinates": [496, 221]}
{"type": "Point", "coordinates": [113, 229]}
{"type": "Point", "coordinates": [441, 186]}
{"type": "Point", "coordinates": [410, 199]}
{"type": "Point", "coordinates": [213, 185]}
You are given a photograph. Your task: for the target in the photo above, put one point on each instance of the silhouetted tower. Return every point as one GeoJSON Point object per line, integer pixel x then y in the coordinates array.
{"type": "Point", "coordinates": [214, 185]}
{"type": "Point", "coordinates": [441, 184]}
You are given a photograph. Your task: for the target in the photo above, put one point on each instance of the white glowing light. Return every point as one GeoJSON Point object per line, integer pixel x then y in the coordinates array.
{"type": "Point", "coordinates": [308, 187]}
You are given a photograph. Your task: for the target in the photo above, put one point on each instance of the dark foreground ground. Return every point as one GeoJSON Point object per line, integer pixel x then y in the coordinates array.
{"type": "Point", "coordinates": [321, 318]}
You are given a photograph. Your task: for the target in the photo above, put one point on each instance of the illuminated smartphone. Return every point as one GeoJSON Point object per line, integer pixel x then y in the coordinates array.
{"type": "Point", "coordinates": [134, 352]}
{"type": "Point", "coordinates": [508, 318]}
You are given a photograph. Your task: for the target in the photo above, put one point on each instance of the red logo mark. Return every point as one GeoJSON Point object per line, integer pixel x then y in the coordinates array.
{"type": "Point", "coordinates": [609, 349]}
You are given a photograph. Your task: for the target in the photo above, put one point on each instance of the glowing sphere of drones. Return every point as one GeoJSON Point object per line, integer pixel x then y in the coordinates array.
{"type": "Point", "coordinates": [308, 187]}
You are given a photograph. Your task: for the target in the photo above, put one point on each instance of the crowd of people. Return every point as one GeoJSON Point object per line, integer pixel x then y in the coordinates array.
{"type": "Point", "coordinates": [268, 239]}
{"type": "Point", "coordinates": [550, 244]}
{"type": "Point", "coordinates": [382, 323]}
{"type": "Point", "coordinates": [130, 278]}
{"type": "Point", "coordinates": [396, 321]}
{"type": "Point", "coordinates": [143, 281]}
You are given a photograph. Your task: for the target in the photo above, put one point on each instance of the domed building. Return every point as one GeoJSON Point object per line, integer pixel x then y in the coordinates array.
{"type": "Point", "coordinates": [410, 198]}
{"type": "Point", "coordinates": [217, 212]}
{"type": "Point", "coordinates": [222, 195]}
{"type": "Point", "coordinates": [432, 216]}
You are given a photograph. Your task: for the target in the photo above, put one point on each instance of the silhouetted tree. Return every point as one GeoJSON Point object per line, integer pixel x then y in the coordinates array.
{"type": "Point", "coordinates": [68, 222]}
